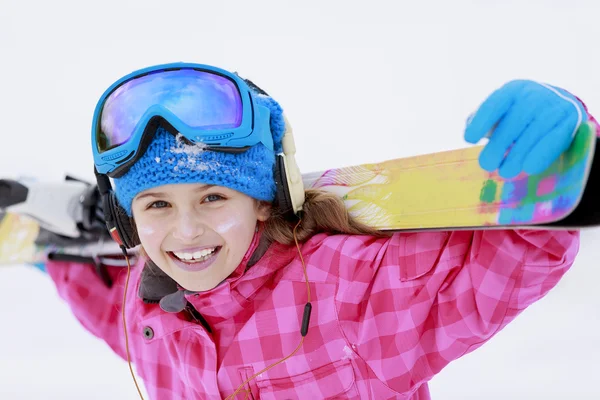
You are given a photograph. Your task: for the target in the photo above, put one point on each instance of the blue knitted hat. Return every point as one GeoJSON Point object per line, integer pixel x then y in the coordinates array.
{"type": "Point", "coordinates": [169, 160]}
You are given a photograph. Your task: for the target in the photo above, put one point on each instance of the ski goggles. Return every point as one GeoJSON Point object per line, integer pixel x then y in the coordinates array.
{"type": "Point", "coordinates": [206, 105]}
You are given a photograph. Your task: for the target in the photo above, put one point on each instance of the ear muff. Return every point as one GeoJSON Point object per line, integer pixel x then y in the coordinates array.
{"type": "Point", "coordinates": [290, 195]}
{"type": "Point", "coordinates": [117, 221]}
{"type": "Point", "coordinates": [290, 187]}
{"type": "Point", "coordinates": [123, 228]}
{"type": "Point", "coordinates": [282, 199]}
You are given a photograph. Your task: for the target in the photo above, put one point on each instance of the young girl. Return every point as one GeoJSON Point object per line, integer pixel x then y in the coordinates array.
{"type": "Point", "coordinates": [248, 287]}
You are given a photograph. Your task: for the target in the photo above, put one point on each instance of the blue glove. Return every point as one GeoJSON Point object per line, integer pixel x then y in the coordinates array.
{"type": "Point", "coordinates": [533, 123]}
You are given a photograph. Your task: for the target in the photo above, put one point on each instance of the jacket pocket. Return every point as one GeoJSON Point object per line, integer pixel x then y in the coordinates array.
{"type": "Point", "coordinates": [334, 381]}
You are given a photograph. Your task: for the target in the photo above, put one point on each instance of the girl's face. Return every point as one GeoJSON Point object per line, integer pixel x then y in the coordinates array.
{"type": "Point", "coordinates": [197, 234]}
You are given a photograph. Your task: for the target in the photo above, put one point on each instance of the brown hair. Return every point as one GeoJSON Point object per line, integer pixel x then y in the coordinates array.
{"type": "Point", "coordinates": [322, 212]}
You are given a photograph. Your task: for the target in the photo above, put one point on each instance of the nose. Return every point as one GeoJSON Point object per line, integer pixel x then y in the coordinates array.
{"type": "Point", "coordinates": [188, 227]}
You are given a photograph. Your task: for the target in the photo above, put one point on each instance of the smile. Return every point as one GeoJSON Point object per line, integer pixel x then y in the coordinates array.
{"type": "Point", "coordinates": [195, 260]}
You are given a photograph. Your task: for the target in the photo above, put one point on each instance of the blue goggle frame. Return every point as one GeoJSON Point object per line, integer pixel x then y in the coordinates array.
{"type": "Point", "coordinates": [254, 127]}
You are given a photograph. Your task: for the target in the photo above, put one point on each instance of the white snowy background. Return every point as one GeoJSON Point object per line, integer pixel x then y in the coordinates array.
{"type": "Point", "coordinates": [361, 81]}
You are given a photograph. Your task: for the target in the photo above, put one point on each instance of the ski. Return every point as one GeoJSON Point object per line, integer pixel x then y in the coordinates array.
{"type": "Point", "coordinates": [450, 191]}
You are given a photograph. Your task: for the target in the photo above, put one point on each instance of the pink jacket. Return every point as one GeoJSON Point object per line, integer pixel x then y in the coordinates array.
{"type": "Point", "coordinates": [388, 314]}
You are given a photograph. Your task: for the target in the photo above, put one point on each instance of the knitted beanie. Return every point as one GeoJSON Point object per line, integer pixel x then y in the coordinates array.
{"type": "Point", "coordinates": [169, 159]}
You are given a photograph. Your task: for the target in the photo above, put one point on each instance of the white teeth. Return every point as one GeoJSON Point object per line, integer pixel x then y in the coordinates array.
{"type": "Point", "coordinates": [196, 256]}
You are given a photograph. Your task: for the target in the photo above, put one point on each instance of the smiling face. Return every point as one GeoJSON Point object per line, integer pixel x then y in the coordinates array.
{"type": "Point", "coordinates": [197, 234]}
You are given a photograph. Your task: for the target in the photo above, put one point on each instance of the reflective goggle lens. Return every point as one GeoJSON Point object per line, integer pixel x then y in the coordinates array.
{"type": "Point", "coordinates": [199, 99]}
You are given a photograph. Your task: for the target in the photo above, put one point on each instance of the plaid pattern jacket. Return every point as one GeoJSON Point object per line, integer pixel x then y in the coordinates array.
{"type": "Point", "coordinates": [388, 314]}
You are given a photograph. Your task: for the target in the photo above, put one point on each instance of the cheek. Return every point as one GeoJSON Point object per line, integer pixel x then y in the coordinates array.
{"type": "Point", "coordinates": [228, 224]}
{"type": "Point", "coordinates": [235, 224]}
{"type": "Point", "coordinates": [151, 235]}
{"type": "Point", "coordinates": [146, 230]}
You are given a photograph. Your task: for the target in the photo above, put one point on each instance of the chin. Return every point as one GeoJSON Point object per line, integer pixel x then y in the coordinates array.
{"type": "Point", "coordinates": [196, 281]}
{"type": "Point", "coordinates": [203, 286]}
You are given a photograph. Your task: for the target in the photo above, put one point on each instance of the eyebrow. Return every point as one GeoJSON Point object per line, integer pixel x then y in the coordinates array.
{"type": "Point", "coordinates": [163, 194]}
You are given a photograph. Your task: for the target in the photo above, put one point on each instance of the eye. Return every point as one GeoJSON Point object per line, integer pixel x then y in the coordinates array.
{"type": "Point", "coordinates": [158, 204]}
{"type": "Point", "coordinates": [211, 198]}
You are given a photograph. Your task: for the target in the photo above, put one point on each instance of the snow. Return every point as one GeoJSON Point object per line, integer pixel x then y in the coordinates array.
{"type": "Point", "coordinates": [359, 84]}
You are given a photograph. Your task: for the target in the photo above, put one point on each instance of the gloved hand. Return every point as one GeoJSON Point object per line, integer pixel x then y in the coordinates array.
{"type": "Point", "coordinates": [532, 123]}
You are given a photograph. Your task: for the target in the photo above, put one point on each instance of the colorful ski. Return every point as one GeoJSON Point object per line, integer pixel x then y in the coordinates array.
{"type": "Point", "coordinates": [17, 238]}
{"type": "Point", "coordinates": [449, 190]}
